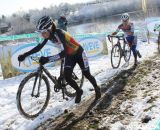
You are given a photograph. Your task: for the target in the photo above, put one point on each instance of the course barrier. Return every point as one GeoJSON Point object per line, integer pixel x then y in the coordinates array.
{"type": "Point", "coordinates": [93, 44]}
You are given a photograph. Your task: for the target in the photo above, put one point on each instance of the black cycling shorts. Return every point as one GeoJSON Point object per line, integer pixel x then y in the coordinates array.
{"type": "Point", "coordinates": [80, 57]}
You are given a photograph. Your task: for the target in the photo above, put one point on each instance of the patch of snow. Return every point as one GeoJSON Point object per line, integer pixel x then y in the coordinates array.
{"type": "Point", "coordinates": [100, 67]}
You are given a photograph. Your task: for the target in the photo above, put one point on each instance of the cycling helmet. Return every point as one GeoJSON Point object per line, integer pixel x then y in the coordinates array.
{"type": "Point", "coordinates": [125, 16]}
{"type": "Point", "coordinates": [44, 23]}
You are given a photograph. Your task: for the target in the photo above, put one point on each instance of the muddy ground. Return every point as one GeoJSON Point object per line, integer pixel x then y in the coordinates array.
{"type": "Point", "coordinates": [92, 115]}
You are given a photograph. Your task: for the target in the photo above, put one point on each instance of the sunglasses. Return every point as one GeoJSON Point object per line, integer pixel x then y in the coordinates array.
{"type": "Point", "coordinates": [41, 31]}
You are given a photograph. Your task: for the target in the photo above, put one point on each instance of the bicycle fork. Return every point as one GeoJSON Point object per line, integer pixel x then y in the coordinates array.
{"type": "Point", "coordinates": [39, 84]}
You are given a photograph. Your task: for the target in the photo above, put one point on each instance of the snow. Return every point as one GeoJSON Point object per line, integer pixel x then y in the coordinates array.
{"type": "Point", "coordinates": [100, 67]}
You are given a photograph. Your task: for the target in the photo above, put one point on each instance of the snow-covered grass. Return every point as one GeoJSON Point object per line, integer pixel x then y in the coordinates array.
{"type": "Point", "coordinates": [100, 67]}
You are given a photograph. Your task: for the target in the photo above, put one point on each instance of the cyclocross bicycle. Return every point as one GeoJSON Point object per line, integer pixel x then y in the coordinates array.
{"type": "Point", "coordinates": [119, 50]}
{"type": "Point", "coordinates": [34, 90]}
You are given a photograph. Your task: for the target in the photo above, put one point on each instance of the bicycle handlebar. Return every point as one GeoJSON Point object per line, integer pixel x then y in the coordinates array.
{"type": "Point", "coordinates": [36, 59]}
{"type": "Point", "coordinates": [115, 36]}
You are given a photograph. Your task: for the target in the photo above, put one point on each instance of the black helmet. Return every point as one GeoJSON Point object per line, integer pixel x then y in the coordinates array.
{"type": "Point", "coordinates": [44, 23]}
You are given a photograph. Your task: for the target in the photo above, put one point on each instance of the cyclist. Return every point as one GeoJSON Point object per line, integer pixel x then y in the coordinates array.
{"type": "Point", "coordinates": [128, 28]}
{"type": "Point", "coordinates": [62, 23]}
{"type": "Point", "coordinates": [72, 51]}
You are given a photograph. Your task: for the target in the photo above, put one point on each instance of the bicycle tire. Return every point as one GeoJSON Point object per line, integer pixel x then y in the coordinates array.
{"type": "Point", "coordinates": [18, 98]}
{"type": "Point", "coordinates": [73, 94]}
{"type": "Point", "coordinates": [112, 55]}
{"type": "Point", "coordinates": [126, 59]}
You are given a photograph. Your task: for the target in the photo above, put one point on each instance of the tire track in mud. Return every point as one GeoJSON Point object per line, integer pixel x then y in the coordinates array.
{"type": "Point", "coordinates": [112, 87]}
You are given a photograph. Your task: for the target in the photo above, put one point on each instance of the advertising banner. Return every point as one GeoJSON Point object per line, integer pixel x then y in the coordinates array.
{"type": "Point", "coordinates": [93, 44]}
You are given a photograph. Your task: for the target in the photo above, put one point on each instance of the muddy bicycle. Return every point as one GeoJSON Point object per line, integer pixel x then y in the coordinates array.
{"type": "Point", "coordinates": [119, 50]}
{"type": "Point", "coordinates": [34, 90]}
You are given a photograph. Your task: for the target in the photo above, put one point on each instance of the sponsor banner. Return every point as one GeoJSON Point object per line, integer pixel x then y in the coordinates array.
{"type": "Point", "coordinates": [93, 44]}
{"type": "Point", "coordinates": [9, 54]}
{"type": "Point", "coordinates": [30, 65]}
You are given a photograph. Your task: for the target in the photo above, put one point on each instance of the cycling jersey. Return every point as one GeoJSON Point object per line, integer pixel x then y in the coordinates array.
{"type": "Point", "coordinates": [128, 32]}
{"type": "Point", "coordinates": [127, 29]}
{"type": "Point", "coordinates": [60, 37]}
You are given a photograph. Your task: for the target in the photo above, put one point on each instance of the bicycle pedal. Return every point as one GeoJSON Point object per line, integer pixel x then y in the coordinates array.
{"type": "Point", "coordinates": [66, 98]}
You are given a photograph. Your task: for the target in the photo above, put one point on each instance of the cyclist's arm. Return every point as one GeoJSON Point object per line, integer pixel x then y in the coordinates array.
{"type": "Point", "coordinates": [37, 48]}
{"type": "Point", "coordinates": [56, 57]}
{"type": "Point", "coordinates": [117, 30]}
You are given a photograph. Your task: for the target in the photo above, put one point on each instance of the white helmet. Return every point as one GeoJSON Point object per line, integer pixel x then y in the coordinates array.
{"type": "Point", "coordinates": [125, 16]}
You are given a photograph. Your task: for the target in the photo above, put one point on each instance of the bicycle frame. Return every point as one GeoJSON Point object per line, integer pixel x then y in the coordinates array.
{"type": "Point", "coordinates": [119, 38]}
{"type": "Point", "coordinates": [40, 71]}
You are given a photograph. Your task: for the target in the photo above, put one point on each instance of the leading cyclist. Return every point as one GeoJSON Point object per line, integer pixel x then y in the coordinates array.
{"type": "Point", "coordinates": [128, 28]}
{"type": "Point", "coordinates": [72, 51]}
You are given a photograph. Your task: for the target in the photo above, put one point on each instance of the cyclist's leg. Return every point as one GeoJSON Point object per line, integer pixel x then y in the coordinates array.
{"type": "Point", "coordinates": [68, 69]}
{"type": "Point", "coordinates": [133, 48]}
{"type": "Point", "coordinates": [131, 42]}
{"type": "Point", "coordinates": [82, 60]}
{"type": "Point", "coordinates": [135, 43]}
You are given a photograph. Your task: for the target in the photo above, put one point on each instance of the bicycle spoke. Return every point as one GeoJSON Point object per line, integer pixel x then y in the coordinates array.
{"type": "Point", "coordinates": [31, 103]}
{"type": "Point", "coordinates": [115, 56]}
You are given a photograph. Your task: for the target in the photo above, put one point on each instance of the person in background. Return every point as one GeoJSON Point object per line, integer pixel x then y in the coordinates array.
{"type": "Point", "coordinates": [128, 28]}
{"type": "Point", "coordinates": [62, 23]}
{"type": "Point", "coordinates": [72, 51]}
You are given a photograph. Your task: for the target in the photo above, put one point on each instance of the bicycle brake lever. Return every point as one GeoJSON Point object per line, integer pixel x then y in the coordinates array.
{"type": "Point", "coordinates": [109, 38]}
{"type": "Point", "coordinates": [19, 63]}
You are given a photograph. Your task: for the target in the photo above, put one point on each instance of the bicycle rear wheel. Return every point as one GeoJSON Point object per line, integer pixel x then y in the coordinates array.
{"type": "Point", "coordinates": [116, 56]}
{"type": "Point", "coordinates": [30, 106]}
{"type": "Point", "coordinates": [127, 52]}
{"type": "Point", "coordinates": [78, 76]}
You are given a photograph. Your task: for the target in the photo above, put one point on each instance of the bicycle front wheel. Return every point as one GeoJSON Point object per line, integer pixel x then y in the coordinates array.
{"type": "Point", "coordinates": [115, 56]}
{"type": "Point", "coordinates": [127, 52]}
{"type": "Point", "coordinates": [78, 76]}
{"type": "Point", "coordinates": [30, 104]}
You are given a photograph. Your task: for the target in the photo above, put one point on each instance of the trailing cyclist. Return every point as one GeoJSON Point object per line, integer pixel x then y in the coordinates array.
{"type": "Point", "coordinates": [72, 51]}
{"type": "Point", "coordinates": [62, 23]}
{"type": "Point", "coordinates": [128, 28]}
